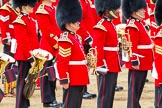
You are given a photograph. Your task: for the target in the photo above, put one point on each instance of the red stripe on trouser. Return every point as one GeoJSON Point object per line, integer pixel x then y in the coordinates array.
{"type": "Point", "coordinates": [103, 90]}
{"type": "Point", "coordinates": [67, 98]}
{"type": "Point", "coordinates": [133, 89]}
{"type": "Point", "coordinates": [42, 81]}
{"type": "Point", "coordinates": [159, 98]}
{"type": "Point", "coordinates": [20, 84]}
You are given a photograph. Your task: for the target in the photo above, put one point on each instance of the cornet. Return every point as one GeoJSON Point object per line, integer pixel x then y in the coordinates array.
{"type": "Point", "coordinates": [125, 43]}
{"type": "Point", "coordinates": [92, 60]}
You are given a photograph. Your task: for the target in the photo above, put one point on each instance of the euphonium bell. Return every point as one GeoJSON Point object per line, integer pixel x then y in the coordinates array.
{"type": "Point", "coordinates": [40, 57]}
{"type": "Point", "coordinates": [5, 59]}
{"type": "Point", "coordinates": [92, 60]}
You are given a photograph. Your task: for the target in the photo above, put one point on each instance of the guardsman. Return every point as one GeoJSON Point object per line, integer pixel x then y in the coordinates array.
{"type": "Point", "coordinates": [106, 42]}
{"type": "Point", "coordinates": [86, 32]}
{"type": "Point", "coordinates": [153, 29]}
{"type": "Point", "coordinates": [50, 33]}
{"type": "Point", "coordinates": [71, 60]}
{"type": "Point", "coordinates": [153, 26]}
{"type": "Point", "coordinates": [27, 40]}
{"type": "Point", "coordinates": [158, 52]}
{"type": "Point", "coordinates": [140, 50]}
{"type": "Point", "coordinates": [117, 21]}
{"type": "Point", "coordinates": [7, 16]}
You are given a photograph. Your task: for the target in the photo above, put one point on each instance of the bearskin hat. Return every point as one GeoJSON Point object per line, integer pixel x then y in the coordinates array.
{"type": "Point", "coordinates": [68, 12]}
{"type": "Point", "coordinates": [158, 11]}
{"type": "Point", "coordinates": [19, 3]}
{"type": "Point", "coordinates": [102, 5]}
{"type": "Point", "coordinates": [130, 6]}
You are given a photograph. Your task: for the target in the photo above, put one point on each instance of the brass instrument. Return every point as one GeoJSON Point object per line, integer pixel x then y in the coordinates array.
{"type": "Point", "coordinates": [125, 43]}
{"type": "Point", "coordinates": [40, 57]}
{"type": "Point", "coordinates": [92, 60]}
{"type": "Point", "coordinates": [5, 59]}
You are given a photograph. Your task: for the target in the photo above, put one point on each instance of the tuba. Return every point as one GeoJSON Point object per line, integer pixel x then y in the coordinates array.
{"type": "Point", "coordinates": [125, 44]}
{"type": "Point", "coordinates": [40, 57]}
{"type": "Point", "coordinates": [92, 60]}
{"type": "Point", "coordinates": [5, 59]}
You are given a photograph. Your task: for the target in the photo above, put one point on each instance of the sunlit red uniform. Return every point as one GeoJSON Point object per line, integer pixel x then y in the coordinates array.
{"type": "Point", "coordinates": [86, 24]}
{"type": "Point", "coordinates": [158, 53]}
{"type": "Point", "coordinates": [8, 15]}
{"type": "Point", "coordinates": [108, 64]}
{"type": "Point", "coordinates": [141, 45]}
{"type": "Point", "coordinates": [106, 41]}
{"type": "Point", "coordinates": [23, 26]}
{"type": "Point", "coordinates": [71, 61]}
{"type": "Point", "coordinates": [96, 18]}
{"type": "Point", "coordinates": [33, 15]}
{"type": "Point", "coordinates": [27, 40]}
{"type": "Point", "coordinates": [153, 30]}
{"type": "Point", "coordinates": [153, 26]}
{"type": "Point", "coordinates": [49, 33]}
{"type": "Point", "coordinates": [48, 28]}
{"type": "Point", "coordinates": [149, 11]}
{"type": "Point", "coordinates": [150, 7]}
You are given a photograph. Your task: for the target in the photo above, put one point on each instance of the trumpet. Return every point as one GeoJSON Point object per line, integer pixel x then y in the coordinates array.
{"type": "Point", "coordinates": [92, 60]}
{"type": "Point", "coordinates": [40, 57]}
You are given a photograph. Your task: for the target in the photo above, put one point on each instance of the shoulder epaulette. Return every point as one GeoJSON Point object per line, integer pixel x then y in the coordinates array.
{"type": "Point", "coordinates": [100, 26]}
{"type": "Point", "coordinates": [41, 10]}
{"type": "Point", "coordinates": [5, 7]}
{"type": "Point", "coordinates": [64, 37]}
{"type": "Point", "coordinates": [159, 34]}
{"type": "Point", "coordinates": [132, 24]}
{"type": "Point", "coordinates": [19, 20]}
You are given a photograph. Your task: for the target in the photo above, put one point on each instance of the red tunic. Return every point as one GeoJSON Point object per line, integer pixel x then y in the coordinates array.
{"type": "Point", "coordinates": [153, 26]}
{"type": "Point", "coordinates": [142, 47]}
{"type": "Point", "coordinates": [86, 24]}
{"type": "Point", "coordinates": [25, 34]}
{"type": "Point", "coordinates": [158, 53]}
{"type": "Point", "coordinates": [106, 41]}
{"type": "Point", "coordinates": [71, 59]}
{"type": "Point", "coordinates": [8, 15]}
{"type": "Point", "coordinates": [48, 28]}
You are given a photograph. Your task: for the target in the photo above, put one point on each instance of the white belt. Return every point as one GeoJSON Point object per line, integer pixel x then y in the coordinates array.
{"type": "Point", "coordinates": [145, 46]}
{"type": "Point", "coordinates": [83, 62]}
{"type": "Point", "coordinates": [111, 48]}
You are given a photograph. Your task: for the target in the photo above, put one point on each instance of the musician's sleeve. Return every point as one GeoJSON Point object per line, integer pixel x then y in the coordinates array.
{"type": "Point", "coordinates": [133, 32]}
{"type": "Point", "coordinates": [63, 58]}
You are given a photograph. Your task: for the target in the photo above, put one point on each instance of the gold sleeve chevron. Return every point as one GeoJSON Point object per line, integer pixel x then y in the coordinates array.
{"type": "Point", "coordinates": [100, 26]}
{"type": "Point", "coordinates": [158, 49]}
{"type": "Point", "coordinates": [64, 52]}
{"type": "Point", "coordinates": [132, 24]}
